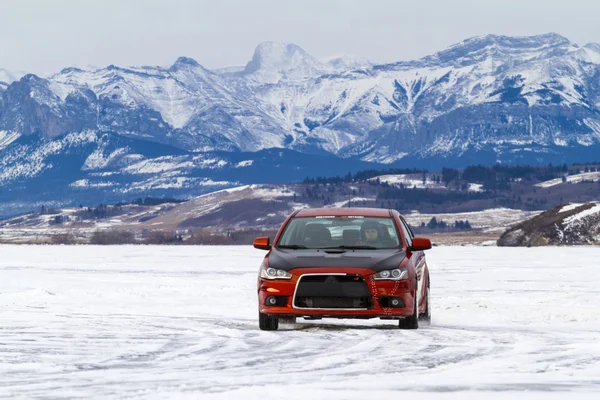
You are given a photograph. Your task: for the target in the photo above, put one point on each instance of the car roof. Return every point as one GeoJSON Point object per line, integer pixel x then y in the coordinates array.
{"type": "Point", "coordinates": [338, 212]}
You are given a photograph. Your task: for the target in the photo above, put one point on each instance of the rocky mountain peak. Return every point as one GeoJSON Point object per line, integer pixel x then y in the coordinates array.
{"type": "Point", "coordinates": [476, 49]}
{"type": "Point", "coordinates": [181, 61]}
{"type": "Point", "coordinates": [273, 61]}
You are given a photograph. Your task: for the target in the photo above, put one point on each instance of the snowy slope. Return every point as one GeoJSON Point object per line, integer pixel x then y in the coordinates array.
{"type": "Point", "coordinates": [576, 178]}
{"type": "Point", "coordinates": [571, 224]}
{"type": "Point", "coordinates": [409, 181]}
{"type": "Point", "coordinates": [492, 220]}
{"type": "Point", "coordinates": [347, 62]}
{"type": "Point", "coordinates": [240, 207]}
{"type": "Point", "coordinates": [438, 105]}
{"type": "Point", "coordinates": [6, 138]}
{"type": "Point", "coordinates": [90, 168]}
{"type": "Point", "coordinates": [185, 98]}
{"type": "Point", "coordinates": [133, 322]}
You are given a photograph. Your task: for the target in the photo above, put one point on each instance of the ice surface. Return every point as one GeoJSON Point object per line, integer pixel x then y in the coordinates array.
{"type": "Point", "coordinates": [181, 322]}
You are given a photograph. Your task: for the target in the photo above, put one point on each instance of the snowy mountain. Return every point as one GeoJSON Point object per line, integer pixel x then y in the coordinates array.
{"type": "Point", "coordinates": [91, 167]}
{"type": "Point", "coordinates": [487, 99]}
{"type": "Point", "coordinates": [273, 62]}
{"type": "Point", "coordinates": [570, 224]}
{"type": "Point", "coordinates": [347, 62]}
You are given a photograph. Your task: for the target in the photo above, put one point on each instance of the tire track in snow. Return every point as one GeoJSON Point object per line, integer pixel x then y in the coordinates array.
{"type": "Point", "coordinates": [152, 325]}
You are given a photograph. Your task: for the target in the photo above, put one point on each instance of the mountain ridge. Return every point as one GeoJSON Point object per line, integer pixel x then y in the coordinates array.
{"type": "Point", "coordinates": [487, 99]}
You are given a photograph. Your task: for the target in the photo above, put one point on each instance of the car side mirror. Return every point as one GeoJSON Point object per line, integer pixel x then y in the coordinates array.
{"type": "Point", "coordinates": [262, 243]}
{"type": "Point", "coordinates": [420, 244]}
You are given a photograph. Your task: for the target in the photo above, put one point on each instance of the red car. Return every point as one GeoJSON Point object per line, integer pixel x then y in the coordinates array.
{"type": "Point", "coordinates": [344, 263]}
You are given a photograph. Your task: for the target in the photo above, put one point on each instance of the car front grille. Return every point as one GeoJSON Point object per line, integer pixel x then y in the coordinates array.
{"type": "Point", "coordinates": [332, 292]}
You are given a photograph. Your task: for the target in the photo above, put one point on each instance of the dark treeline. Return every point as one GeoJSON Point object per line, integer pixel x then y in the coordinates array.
{"type": "Point", "coordinates": [594, 163]}
{"type": "Point", "coordinates": [490, 176]}
{"type": "Point", "coordinates": [362, 176]}
{"type": "Point", "coordinates": [151, 201]}
{"type": "Point", "coordinates": [441, 224]}
{"type": "Point", "coordinates": [99, 212]}
{"type": "Point", "coordinates": [503, 173]}
{"type": "Point", "coordinates": [104, 211]}
{"type": "Point", "coordinates": [407, 197]}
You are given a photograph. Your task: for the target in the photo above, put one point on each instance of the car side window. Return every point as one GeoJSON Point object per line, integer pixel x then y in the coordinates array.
{"type": "Point", "coordinates": [412, 235]}
{"type": "Point", "coordinates": [406, 232]}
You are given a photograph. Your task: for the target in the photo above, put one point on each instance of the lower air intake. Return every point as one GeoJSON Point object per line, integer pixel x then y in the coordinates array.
{"type": "Point", "coordinates": [332, 302]}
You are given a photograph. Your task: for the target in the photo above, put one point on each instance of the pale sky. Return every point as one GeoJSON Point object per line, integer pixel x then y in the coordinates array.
{"type": "Point", "coordinates": [44, 36]}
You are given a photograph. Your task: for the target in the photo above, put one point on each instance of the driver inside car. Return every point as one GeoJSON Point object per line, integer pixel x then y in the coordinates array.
{"type": "Point", "coordinates": [372, 234]}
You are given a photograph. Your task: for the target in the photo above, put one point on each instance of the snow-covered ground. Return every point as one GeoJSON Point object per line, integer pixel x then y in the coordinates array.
{"type": "Point", "coordinates": [584, 176]}
{"type": "Point", "coordinates": [181, 322]}
{"type": "Point", "coordinates": [492, 220]}
{"type": "Point", "coordinates": [409, 181]}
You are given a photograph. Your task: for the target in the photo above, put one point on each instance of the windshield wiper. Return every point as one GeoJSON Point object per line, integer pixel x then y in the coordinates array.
{"type": "Point", "coordinates": [292, 246]}
{"type": "Point", "coordinates": [356, 247]}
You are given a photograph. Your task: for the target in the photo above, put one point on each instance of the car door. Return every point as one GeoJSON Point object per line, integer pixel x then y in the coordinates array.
{"type": "Point", "coordinates": [418, 260]}
{"type": "Point", "coordinates": [408, 239]}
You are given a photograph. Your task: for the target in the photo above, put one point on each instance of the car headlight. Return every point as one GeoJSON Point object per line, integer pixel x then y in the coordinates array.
{"type": "Point", "coordinates": [397, 274]}
{"type": "Point", "coordinates": [273, 273]}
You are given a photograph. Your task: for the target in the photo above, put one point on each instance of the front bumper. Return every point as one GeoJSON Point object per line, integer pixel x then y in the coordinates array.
{"type": "Point", "coordinates": [375, 295]}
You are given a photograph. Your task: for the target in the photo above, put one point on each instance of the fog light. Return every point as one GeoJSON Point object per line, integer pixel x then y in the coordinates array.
{"type": "Point", "coordinates": [394, 302]}
{"type": "Point", "coordinates": [279, 301]}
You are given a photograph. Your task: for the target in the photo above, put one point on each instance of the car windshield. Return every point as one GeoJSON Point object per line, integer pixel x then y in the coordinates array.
{"type": "Point", "coordinates": [344, 232]}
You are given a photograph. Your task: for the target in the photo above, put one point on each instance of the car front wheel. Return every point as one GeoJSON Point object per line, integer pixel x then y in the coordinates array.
{"type": "Point", "coordinates": [266, 323]}
{"type": "Point", "coordinates": [426, 316]}
{"type": "Point", "coordinates": [411, 322]}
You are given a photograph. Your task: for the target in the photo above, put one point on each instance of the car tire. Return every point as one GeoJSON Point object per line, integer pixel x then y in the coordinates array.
{"type": "Point", "coordinates": [426, 316]}
{"type": "Point", "coordinates": [266, 323]}
{"type": "Point", "coordinates": [411, 322]}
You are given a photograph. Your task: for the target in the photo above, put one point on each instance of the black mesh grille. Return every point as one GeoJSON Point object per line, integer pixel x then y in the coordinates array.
{"type": "Point", "coordinates": [332, 291]}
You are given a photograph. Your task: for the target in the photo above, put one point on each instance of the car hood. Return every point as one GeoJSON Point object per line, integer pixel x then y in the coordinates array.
{"type": "Point", "coordinates": [377, 260]}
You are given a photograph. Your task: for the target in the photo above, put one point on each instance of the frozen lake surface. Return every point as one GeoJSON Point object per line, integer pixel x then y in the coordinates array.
{"type": "Point", "coordinates": [181, 322]}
